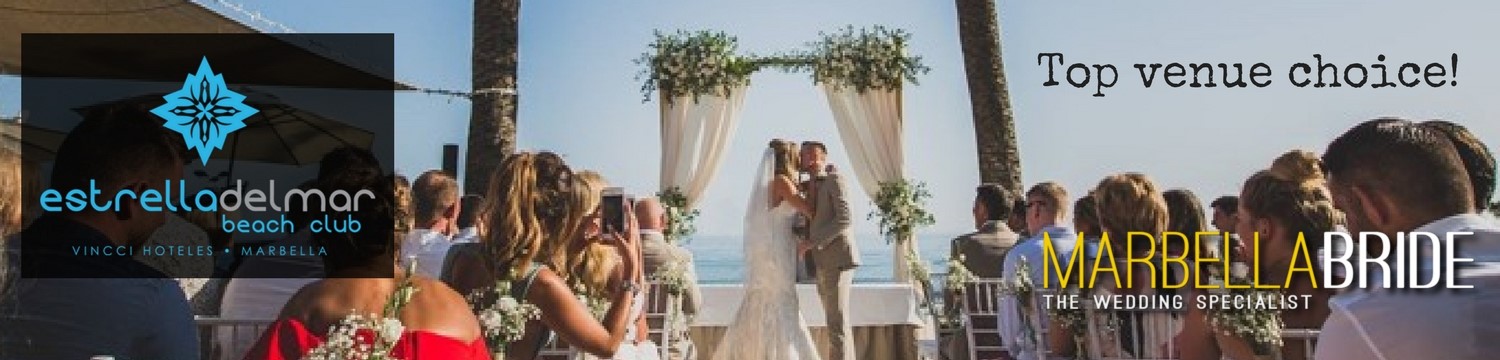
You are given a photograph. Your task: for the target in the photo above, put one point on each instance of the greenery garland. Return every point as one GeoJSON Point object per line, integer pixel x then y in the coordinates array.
{"type": "Point", "coordinates": [697, 63]}
{"type": "Point", "coordinates": [865, 59]}
{"type": "Point", "coordinates": [680, 218]}
{"type": "Point", "coordinates": [693, 64]}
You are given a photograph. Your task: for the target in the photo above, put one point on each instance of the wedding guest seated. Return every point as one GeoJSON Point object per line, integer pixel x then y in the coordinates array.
{"type": "Point", "coordinates": [534, 203]}
{"type": "Point", "coordinates": [1126, 202]}
{"type": "Point", "coordinates": [592, 262]}
{"type": "Point", "coordinates": [1086, 221]}
{"type": "Point", "coordinates": [435, 207]}
{"type": "Point", "coordinates": [656, 252]}
{"type": "Point", "coordinates": [262, 284]}
{"type": "Point", "coordinates": [1185, 216]}
{"type": "Point", "coordinates": [190, 272]}
{"type": "Point", "coordinates": [404, 219]}
{"type": "Point", "coordinates": [100, 305]}
{"type": "Point", "coordinates": [1393, 176]}
{"type": "Point", "coordinates": [17, 182]}
{"type": "Point", "coordinates": [435, 321]}
{"type": "Point", "coordinates": [1046, 208]}
{"type": "Point", "coordinates": [983, 251]}
{"type": "Point", "coordinates": [1477, 159]}
{"type": "Point", "coordinates": [1017, 221]}
{"type": "Point", "coordinates": [1086, 224]}
{"type": "Point", "coordinates": [1277, 204]}
{"type": "Point", "coordinates": [1225, 208]}
{"type": "Point", "coordinates": [468, 218]}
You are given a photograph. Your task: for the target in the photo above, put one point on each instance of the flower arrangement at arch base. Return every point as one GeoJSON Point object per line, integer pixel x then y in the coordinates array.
{"type": "Point", "coordinates": [901, 208]}
{"type": "Point", "coordinates": [679, 217]}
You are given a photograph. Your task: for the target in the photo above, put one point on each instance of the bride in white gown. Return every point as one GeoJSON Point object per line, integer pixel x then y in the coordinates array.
{"type": "Point", "coordinates": [769, 324]}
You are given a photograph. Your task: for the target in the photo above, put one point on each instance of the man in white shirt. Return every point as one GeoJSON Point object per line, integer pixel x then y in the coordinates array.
{"type": "Point", "coordinates": [1046, 212]}
{"type": "Point", "coordinates": [468, 219]}
{"type": "Point", "coordinates": [1392, 176]}
{"type": "Point", "coordinates": [435, 206]}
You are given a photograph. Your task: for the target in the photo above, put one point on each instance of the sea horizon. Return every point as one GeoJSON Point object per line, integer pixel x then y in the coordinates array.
{"type": "Point", "coordinates": [719, 259]}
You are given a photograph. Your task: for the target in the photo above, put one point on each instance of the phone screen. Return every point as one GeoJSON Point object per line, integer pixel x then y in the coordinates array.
{"type": "Point", "coordinates": [614, 210]}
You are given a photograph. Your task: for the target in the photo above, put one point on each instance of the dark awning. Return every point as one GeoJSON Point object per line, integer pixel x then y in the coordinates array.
{"type": "Point", "coordinates": [19, 17]}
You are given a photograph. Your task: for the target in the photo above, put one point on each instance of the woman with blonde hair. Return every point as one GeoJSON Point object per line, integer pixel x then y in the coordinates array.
{"type": "Point", "coordinates": [1126, 203]}
{"type": "Point", "coordinates": [532, 208]}
{"type": "Point", "coordinates": [14, 189]}
{"type": "Point", "coordinates": [1276, 205]}
{"type": "Point", "coordinates": [592, 262]}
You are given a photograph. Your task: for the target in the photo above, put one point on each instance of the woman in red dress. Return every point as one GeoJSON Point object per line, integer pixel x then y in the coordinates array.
{"type": "Point", "coordinates": [438, 323]}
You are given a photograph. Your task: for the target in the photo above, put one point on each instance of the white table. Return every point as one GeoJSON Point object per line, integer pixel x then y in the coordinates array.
{"type": "Point", "coordinates": [884, 317]}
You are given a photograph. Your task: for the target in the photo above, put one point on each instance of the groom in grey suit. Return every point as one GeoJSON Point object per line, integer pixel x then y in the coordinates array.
{"type": "Point", "coordinates": [830, 245]}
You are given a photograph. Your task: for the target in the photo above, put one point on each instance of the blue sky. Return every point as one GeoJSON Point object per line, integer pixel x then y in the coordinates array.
{"type": "Point", "coordinates": [579, 96]}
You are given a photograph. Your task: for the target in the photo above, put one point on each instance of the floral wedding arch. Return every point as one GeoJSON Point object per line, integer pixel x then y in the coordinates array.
{"type": "Point", "coordinates": [700, 80]}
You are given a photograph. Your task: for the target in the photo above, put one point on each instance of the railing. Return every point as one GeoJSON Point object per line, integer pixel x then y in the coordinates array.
{"type": "Point", "coordinates": [1307, 339]}
{"type": "Point", "coordinates": [1117, 334]}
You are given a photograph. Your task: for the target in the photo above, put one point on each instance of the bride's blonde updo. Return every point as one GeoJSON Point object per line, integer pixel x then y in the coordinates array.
{"type": "Point", "coordinates": [786, 157]}
{"type": "Point", "coordinates": [1294, 192]}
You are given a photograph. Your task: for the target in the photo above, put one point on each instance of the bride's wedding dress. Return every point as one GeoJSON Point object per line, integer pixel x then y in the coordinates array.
{"type": "Point", "coordinates": [769, 324]}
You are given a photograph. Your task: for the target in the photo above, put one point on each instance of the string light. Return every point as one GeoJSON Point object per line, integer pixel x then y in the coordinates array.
{"type": "Point", "coordinates": [256, 17]}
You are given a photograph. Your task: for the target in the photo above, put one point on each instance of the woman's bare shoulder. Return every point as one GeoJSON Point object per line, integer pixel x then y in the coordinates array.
{"type": "Point", "coordinates": [441, 310]}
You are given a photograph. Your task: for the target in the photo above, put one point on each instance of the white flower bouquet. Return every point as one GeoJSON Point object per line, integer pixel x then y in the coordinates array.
{"type": "Point", "coordinates": [1261, 328]}
{"type": "Point", "coordinates": [597, 305]}
{"type": "Point", "coordinates": [359, 337]}
{"type": "Point", "coordinates": [502, 317]}
{"type": "Point", "coordinates": [368, 337]}
{"type": "Point", "coordinates": [958, 275]}
{"type": "Point", "coordinates": [673, 276]}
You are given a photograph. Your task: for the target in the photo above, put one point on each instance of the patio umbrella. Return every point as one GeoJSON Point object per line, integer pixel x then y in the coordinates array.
{"type": "Point", "coordinates": [278, 134]}
{"type": "Point", "coordinates": [37, 144]}
{"type": "Point", "coordinates": [263, 58]}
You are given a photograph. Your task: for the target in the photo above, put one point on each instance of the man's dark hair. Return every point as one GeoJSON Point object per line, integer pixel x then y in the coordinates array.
{"type": "Point", "coordinates": [377, 219]}
{"type": "Point", "coordinates": [468, 214]}
{"type": "Point", "coordinates": [344, 160]}
{"type": "Point", "coordinates": [996, 201]}
{"type": "Point", "coordinates": [114, 146]}
{"type": "Point", "coordinates": [816, 145]}
{"type": "Point", "coordinates": [1229, 204]}
{"type": "Point", "coordinates": [1478, 160]}
{"type": "Point", "coordinates": [1415, 165]}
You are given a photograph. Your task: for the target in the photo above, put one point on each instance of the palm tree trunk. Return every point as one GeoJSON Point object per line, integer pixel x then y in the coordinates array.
{"type": "Point", "coordinates": [994, 124]}
{"type": "Point", "coordinates": [492, 119]}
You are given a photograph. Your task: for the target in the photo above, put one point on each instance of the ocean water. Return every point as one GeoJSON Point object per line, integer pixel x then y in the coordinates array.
{"type": "Point", "coordinates": [720, 259]}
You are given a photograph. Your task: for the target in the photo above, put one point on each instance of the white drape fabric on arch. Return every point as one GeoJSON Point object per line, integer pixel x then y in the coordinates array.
{"type": "Point", "coordinates": [870, 126]}
{"type": "Point", "coordinates": [694, 137]}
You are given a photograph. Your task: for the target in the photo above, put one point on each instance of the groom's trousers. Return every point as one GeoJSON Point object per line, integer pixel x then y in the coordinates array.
{"type": "Point", "coordinates": [833, 289]}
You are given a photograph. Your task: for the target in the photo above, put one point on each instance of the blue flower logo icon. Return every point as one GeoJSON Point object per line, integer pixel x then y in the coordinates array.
{"type": "Point", "coordinates": [204, 111]}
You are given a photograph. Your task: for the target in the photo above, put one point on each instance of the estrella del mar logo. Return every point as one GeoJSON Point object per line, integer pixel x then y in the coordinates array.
{"type": "Point", "coordinates": [204, 111]}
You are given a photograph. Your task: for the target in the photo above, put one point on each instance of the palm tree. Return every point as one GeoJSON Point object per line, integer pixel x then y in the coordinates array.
{"type": "Point", "coordinates": [994, 123]}
{"type": "Point", "coordinates": [492, 119]}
